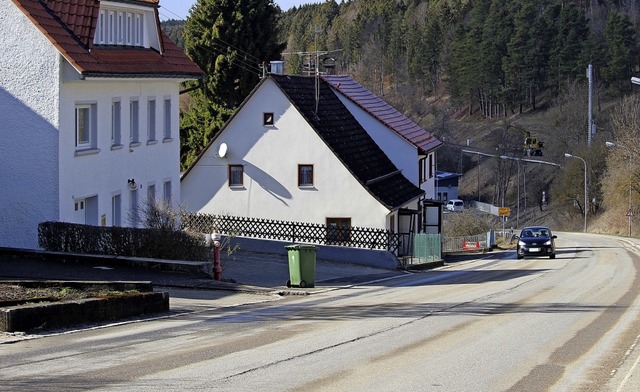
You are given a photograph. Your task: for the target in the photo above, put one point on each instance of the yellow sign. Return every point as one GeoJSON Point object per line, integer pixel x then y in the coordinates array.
{"type": "Point", "coordinates": [504, 211]}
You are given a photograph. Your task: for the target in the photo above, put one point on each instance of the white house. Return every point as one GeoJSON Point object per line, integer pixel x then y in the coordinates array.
{"type": "Point", "coordinates": [286, 155]}
{"type": "Point", "coordinates": [411, 148]}
{"type": "Point", "coordinates": [88, 112]}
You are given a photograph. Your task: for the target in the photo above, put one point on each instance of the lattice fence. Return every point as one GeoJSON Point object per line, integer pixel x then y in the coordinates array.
{"type": "Point", "coordinates": [313, 233]}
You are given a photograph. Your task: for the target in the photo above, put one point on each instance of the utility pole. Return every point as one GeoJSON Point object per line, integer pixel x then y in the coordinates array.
{"type": "Point", "coordinates": [590, 120]}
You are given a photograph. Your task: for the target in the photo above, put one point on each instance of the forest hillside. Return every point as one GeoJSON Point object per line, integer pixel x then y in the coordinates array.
{"type": "Point", "coordinates": [480, 75]}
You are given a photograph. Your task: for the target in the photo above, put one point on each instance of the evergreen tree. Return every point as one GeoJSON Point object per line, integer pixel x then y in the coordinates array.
{"type": "Point", "coordinates": [229, 40]}
{"type": "Point", "coordinates": [620, 43]}
{"type": "Point", "coordinates": [467, 68]}
{"type": "Point", "coordinates": [567, 52]}
{"type": "Point", "coordinates": [527, 55]}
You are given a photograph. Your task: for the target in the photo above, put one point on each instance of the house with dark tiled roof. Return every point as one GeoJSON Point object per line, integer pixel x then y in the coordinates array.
{"type": "Point", "coordinates": [295, 151]}
{"type": "Point", "coordinates": [398, 135]}
{"type": "Point", "coordinates": [88, 111]}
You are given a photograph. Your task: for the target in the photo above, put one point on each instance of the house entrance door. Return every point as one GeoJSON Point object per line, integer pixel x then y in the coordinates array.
{"type": "Point", "coordinates": [338, 230]}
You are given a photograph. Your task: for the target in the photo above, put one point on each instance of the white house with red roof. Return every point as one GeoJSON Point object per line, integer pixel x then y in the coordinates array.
{"type": "Point", "coordinates": [88, 111]}
{"type": "Point", "coordinates": [408, 145]}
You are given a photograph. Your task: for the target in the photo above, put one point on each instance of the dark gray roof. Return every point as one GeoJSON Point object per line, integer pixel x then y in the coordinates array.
{"type": "Point", "coordinates": [351, 143]}
{"type": "Point", "coordinates": [383, 112]}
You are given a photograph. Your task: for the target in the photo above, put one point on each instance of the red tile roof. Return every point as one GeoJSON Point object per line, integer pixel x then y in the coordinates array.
{"type": "Point", "coordinates": [383, 112]}
{"type": "Point", "coordinates": [70, 25]}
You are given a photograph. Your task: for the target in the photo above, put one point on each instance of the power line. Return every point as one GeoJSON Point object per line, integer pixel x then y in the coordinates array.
{"type": "Point", "coordinates": [171, 12]}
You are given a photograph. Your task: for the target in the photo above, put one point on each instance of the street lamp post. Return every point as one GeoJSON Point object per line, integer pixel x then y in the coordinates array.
{"type": "Point", "coordinates": [584, 207]}
{"type": "Point", "coordinates": [614, 145]}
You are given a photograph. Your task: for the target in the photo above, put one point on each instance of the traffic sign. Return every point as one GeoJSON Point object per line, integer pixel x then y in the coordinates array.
{"type": "Point", "coordinates": [504, 211]}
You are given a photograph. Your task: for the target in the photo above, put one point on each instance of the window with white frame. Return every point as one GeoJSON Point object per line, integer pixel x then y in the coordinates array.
{"type": "Point", "coordinates": [167, 119]}
{"type": "Point", "coordinates": [134, 210]}
{"type": "Point", "coordinates": [151, 194]}
{"type": "Point", "coordinates": [117, 26]}
{"type": "Point", "coordinates": [116, 210]}
{"type": "Point", "coordinates": [151, 120]}
{"type": "Point", "coordinates": [116, 123]}
{"type": "Point", "coordinates": [134, 121]}
{"type": "Point", "coordinates": [86, 124]}
{"type": "Point", "coordinates": [167, 191]}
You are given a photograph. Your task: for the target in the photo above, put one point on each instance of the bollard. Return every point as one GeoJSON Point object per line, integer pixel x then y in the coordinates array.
{"type": "Point", "coordinates": [217, 266]}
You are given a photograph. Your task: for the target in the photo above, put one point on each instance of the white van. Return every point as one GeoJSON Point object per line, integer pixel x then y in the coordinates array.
{"type": "Point", "coordinates": [455, 205]}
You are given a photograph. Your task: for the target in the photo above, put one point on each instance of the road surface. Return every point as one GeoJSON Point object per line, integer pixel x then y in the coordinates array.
{"type": "Point", "coordinates": [490, 324]}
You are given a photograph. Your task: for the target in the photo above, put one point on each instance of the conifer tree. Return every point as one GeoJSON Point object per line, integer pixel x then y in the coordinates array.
{"type": "Point", "coordinates": [620, 44]}
{"type": "Point", "coordinates": [229, 40]}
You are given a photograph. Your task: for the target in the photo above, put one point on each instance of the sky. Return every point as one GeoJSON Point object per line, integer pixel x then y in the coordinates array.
{"type": "Point", "coordinates": [179, 9]}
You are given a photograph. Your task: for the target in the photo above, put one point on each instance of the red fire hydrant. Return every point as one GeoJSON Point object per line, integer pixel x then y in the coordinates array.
{"type": "Point", "coordinates": [217, 266]}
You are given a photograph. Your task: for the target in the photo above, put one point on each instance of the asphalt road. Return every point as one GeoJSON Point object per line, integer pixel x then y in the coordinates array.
{"type": "Point", "coordinates": [489, 324]}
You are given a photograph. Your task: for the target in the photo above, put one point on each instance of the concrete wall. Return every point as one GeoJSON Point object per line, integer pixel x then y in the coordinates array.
{"type": "Point", "coordinates": [29, 72]}
{"type": "Point", "coordinates": [367, 257]}
{"type": "Point", "coordinates": [270, 156]}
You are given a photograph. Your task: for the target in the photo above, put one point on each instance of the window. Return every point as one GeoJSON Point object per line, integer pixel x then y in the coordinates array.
{"type": "Point", "coordinates": [338, 230]}
{"type": "Point", "coordinates": [119, 27]}
{"type": "Point", "coordinates": [116, 123]}
{"type": "Point", "coordinates": [116, 210]}
{"type": "Point", "coordinates": [138, 41]}
{"type": "Point", "coordinates": [151, 194]}
{"type": "Point", "coordinates": [167, 191]}
{"type": "Point", "coordinates": [83, 126]}
{"type": "Point", "coordinates": [167, 119]}
{"type": "Point", "coordinates": [151, 120]}
{"type": "Point", "coordinates": [236, 175]}
{"type": "Point", "coordinates": [305, 175]}
{"type": "Point", "coordinates": [86, 124]}
{"type": "Point", "coordinates": [134, 121]}
{"type": "Point", "coordinates": [268, 119]}
{"type": "Point", "coordinates": [134, 210]}
{"type": "Point", "coordinates": [431, 167]}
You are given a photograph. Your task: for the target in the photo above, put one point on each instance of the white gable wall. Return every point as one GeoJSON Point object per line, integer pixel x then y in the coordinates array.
{"type": "Point", "coordinates": [105, 172]}
{"type": "Point", "coordinates": [29, 72]}
{"type": "Point", "coordinates": [270, 155]}
{"type": "Point", "coordinates": [401, 152]}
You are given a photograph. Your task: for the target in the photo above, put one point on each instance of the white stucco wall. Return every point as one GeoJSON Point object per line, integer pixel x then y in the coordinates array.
{"type": "Point", "coordinates": [105, 172]}
{"type": "Point", "coordinates": [402, 153]}
{"type": "Point", "coordinates": [29, 70]}
{"type": "Point", "coordinates": [270, 156]}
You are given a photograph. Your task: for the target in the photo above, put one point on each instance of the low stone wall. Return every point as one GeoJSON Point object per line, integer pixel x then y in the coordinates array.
{"type": "Point", "coordinates": [68, 313]}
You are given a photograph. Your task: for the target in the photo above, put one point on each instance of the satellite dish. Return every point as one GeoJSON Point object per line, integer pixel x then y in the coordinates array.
{"type": "Point", "coordinates": [222, 150]}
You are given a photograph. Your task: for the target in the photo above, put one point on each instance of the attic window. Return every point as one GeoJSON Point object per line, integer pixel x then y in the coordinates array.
{"type": "Point", "coordinates": [120, 27]}
{"type": "Point", "coordinates": [305, 176]}
{"type": "Point", "coordinates": [267, 119]}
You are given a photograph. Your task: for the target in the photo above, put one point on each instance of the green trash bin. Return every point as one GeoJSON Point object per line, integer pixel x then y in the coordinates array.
{"type": "Point", "coordinates": [302, 265]}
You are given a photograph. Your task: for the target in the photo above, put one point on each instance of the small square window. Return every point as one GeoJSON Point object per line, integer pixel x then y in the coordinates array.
{"type": "Point", "coordinates": [305, 175]}
{"type": "Point", "coordinates": [236, 175]}
{"type": "Point", "coordinates": [267, 119]}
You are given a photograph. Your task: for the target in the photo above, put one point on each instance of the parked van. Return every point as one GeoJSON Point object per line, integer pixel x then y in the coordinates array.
{"type": "Point", "coordinates": [455, 205]}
